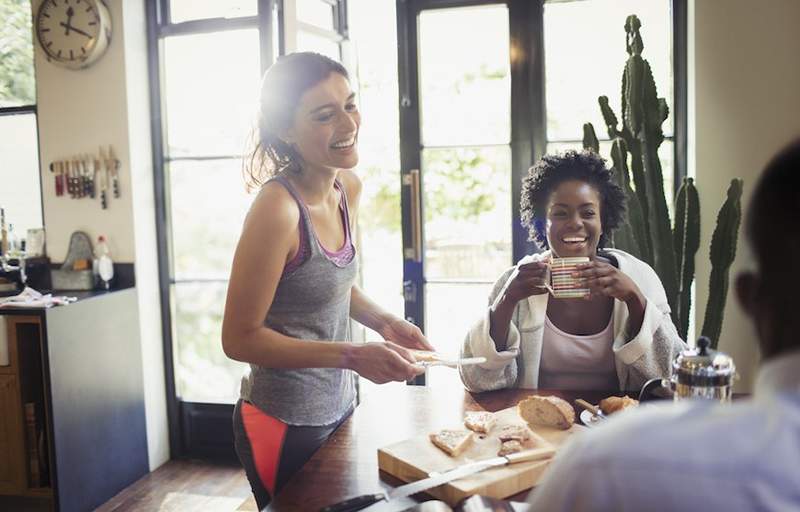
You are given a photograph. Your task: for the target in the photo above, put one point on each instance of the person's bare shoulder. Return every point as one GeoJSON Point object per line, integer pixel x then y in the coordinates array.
{"type": "Point", "coordinates": [273, 211]}
{"type": "Point", "coordinates": [352, 184]}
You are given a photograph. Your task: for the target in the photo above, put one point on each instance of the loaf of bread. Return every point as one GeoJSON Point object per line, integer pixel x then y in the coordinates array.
{"type": "Point", "coordinates": [479, 421]}
{"type": "Point", "coordinates": [452, 442]}
{"type": "Point", "coordinates": [508, 447]}
{"type": "Point", "coordinates": [549, 411]}
{"type": "Point", "coordinates": [613, 404]}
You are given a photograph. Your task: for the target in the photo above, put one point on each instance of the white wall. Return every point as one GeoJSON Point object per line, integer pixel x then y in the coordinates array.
{"type": "Point", "coordinates": [745, 81]}
{"type": "Point", "coordinates": [108, 103]}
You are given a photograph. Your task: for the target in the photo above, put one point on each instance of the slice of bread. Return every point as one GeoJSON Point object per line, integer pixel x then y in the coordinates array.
{"type": "Point", "coordinates": [613, 404]}
{"type": "Point", "coordinates": [511, 446]}
{"type": "Point", "coordinates": [426, 355]}
{"type": "Point", "coordinates": [452, 442]}
{"type": "Point", "coordinates": [514, 433]}
{"type": "Point", "coordinates": [479, 421]}
{"type": "Point", "coordinates": [549, 411]}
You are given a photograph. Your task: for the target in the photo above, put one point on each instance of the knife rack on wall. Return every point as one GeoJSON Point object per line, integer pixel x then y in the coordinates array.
{"type": "Point", "coordinates": [88, 176]}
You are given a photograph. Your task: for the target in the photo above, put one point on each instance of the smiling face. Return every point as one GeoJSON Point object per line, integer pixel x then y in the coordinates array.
{"type": "Point", "coordinates": [573, 219]}
{"type": "Point", "coordinates": [325, 128]}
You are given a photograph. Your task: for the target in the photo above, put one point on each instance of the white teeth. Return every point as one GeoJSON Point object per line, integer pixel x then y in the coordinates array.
{"type": "Point", "coordinates": [573, 239]}
{"type": "Point", "coordinates": [344, 144]}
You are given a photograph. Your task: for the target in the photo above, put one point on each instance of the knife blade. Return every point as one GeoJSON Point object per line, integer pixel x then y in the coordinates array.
{"type": "Point", "coordinates": [452, 362]}
{"type": "Point", "coordinates": [359, 502]}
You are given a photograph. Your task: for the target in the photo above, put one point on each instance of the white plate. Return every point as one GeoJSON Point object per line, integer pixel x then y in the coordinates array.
{"type": "Point", "coordinates": [589, 419]}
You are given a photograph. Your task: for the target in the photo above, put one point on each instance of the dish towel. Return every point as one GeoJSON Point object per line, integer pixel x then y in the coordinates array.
{"type": "Point", "coordinates": [30, 298]}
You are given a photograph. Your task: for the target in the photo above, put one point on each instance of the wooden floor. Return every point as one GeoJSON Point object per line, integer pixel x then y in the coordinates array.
{"type": "Point", "coordinates": [186, 485]}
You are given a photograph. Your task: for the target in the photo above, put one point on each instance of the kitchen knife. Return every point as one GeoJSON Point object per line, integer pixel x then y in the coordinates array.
{"type": "Point", "coordinates": [452, 362]}
{"type": "Point", "coordinates": [366, 500]}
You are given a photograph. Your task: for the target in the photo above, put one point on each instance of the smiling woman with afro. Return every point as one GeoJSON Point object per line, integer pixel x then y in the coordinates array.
{"type": "Point", "coordinates": [616, 337]}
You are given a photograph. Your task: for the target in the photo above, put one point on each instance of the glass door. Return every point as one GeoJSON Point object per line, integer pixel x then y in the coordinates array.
{"type": "Point", "coordinates": [457, 152]}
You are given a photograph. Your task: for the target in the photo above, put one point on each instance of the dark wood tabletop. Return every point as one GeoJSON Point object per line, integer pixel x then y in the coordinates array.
{"type": "Point", "coordinates": [347, 464]}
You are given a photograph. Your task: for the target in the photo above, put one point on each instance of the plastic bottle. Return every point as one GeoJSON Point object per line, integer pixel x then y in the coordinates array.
{"type": "Point", "coordinates": [13, 244]}
{"type": "Point", "coordinates": [104, 265]}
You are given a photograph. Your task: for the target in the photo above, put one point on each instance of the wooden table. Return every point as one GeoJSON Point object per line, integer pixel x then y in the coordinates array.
{"type": "Point", "coordinates": [347, 464]}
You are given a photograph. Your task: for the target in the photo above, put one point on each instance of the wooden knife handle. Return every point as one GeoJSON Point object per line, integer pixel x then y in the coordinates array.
{"type": "Point", "coordinates": [529, 455]}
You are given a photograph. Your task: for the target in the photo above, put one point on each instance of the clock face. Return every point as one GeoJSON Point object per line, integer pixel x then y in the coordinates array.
{"type": "Point", "coordinates": [72, 32]}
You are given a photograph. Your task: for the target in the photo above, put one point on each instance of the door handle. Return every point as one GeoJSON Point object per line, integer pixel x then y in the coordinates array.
{"type": "Point", "coordinates": [411, 180]}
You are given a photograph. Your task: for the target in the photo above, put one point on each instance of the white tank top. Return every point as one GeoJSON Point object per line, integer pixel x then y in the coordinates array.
{"type": "Point", "coordinates": [577, 362]}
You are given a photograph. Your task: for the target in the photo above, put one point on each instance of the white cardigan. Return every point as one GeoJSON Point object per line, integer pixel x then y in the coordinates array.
{"type": "Point", "coordinates": [638, 356]}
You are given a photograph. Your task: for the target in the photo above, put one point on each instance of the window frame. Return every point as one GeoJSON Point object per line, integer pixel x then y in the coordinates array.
{"type": "Point", "coordinates": [192, 425]}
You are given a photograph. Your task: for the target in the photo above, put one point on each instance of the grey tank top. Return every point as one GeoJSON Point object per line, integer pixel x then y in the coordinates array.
{"type": "Point", "coordinates": [312, 302]}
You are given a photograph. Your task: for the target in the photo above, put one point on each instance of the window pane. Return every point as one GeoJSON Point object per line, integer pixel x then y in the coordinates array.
{"type": "Point", "coordinates": [185, 10]}
{"type": "Point", "coordinates": [379, 235]}
{"type": "Point", "coordinates": [20, 165]}
{"type": "Point", "coordinates": [465, 95]}
{"type": "Point", "coordinates": [211, 102]}
{"type": "Point", "coordinates": [203, 372]}
{"type": "Point", "coordinates": [208, 204]}
{"type": "Point", "coordinates": [315, 12]}
{"type": "Point", "coordinates": [310, 42]}
{"type": "Point", "coordinates": [577, 74]}
{"type": "Point", "coordinates": [665, 153]}
{"type": "Point", "coordinates": [467, 212]}
{"type": "Point", "coordinates": [17, 85]}
{"type": "Point", "coordinates": [450, 310]}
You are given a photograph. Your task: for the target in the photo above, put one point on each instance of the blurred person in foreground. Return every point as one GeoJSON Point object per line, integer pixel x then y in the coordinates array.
{"type": "Point", "coordinates": [704, 455]}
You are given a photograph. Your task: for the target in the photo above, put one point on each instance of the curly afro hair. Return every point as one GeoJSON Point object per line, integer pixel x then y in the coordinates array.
{"type": "Point", "coordinates": [551, 171]}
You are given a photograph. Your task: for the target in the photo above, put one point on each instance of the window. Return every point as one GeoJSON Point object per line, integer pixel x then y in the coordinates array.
{"type": "Point", "coordinates": [19, 146]}
{"type": "Point", "coordinates": [207, 59]}
{"type": "Point", "coordinates": [577, 74]}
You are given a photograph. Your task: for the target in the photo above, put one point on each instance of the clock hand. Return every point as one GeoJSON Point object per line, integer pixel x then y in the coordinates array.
{"type": "Point", "coordinates": [70, 13]}
{"type": "Point", "coordinates": [70, 27]}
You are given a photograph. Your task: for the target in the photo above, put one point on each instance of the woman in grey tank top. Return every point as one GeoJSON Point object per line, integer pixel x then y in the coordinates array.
{"type": "Point", "coordinates": [292, 289]}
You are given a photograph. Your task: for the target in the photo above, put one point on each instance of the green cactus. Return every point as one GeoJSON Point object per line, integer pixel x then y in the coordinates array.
{"type": "Point", "coordinates": [687, 241]}
{"type": "Point", "coordinates": [590, 139]}
{"type": "Point", "coordinates": [723, 252]}
{"type": "Point", "coordinates": [648, 233]}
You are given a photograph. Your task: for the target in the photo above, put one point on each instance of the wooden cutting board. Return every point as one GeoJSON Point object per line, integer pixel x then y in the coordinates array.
{"type": "Point", "coordinates": [416, 458]}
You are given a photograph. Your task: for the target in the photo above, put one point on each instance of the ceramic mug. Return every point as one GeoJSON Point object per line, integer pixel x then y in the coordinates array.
{"type": "Point", "coordinates": [561, 283]}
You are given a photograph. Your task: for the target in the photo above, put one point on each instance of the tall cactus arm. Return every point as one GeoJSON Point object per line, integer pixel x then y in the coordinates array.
{"type": "Point", "coordinates": [609, 117]}
{"type": "Point", "coordinates": [589, 138]}
{"type": "Point", "coordinates": [633, 146]}
{"type": "Point", "coordinates": [723, 252]}
{"type": "Point", "coordinates": [686, 236]}
{"type": "Point", "coordinates": [660, 226]}
{"type": "Point", "coordinates": [631, 235]}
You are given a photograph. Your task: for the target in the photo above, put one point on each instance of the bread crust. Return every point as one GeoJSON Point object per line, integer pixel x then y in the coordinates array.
{"type": "Point", "coordinates": [614, 404]}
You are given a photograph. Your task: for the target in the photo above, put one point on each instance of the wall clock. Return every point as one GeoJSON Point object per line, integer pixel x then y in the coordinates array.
{"type": "Point", "coordinates": [73, 33]}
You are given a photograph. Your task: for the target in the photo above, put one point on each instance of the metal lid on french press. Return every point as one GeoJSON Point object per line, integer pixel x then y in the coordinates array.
{"type": "Point", "coordinates": [704, 366]}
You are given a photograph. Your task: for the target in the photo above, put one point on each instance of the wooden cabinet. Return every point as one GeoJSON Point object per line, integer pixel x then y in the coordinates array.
{"type": "Point", "coordinates": [12, 461]}
{"type": "Point", "coordinates": [24, 433]}
{"type": "Point", "coordinates": [72, 420]}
